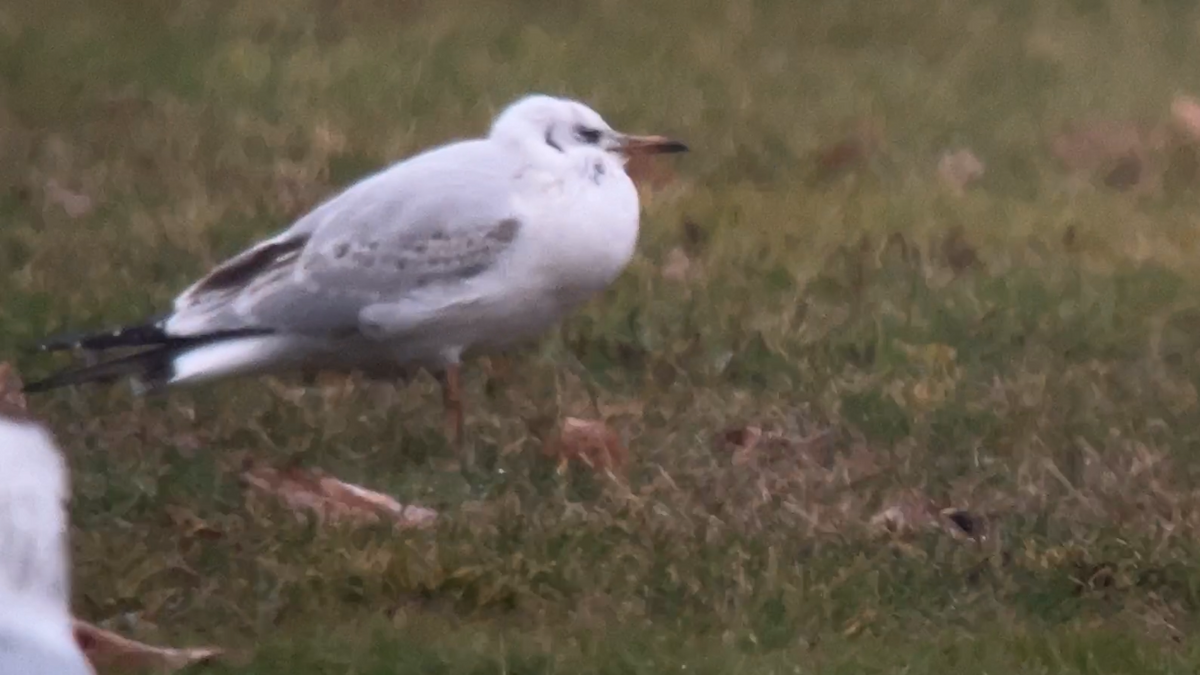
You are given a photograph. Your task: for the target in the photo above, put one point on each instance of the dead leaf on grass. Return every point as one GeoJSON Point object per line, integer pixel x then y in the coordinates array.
{"type": "Point", "coordinates": [959, 169]}
{"type": "Point", "coordinates": [589, 441]}
{"type": "Point", "coordinates": [1070, 239]}
{"type": "Point", "coordinates": [906, 512]}
{"type": "Point", "coordinates": [751, 443]}
{"type": "Point", "coordinates": [743, 441]}
{"type": "Point", "coordinates": [678, 266]}
{"type": "Point", "coordinates": [958, 252]}
{"type": "Point", "coordinates": [107, 650]}
{"type": "Point", "coordinates": [965, 523]}
{"type": "Point", "coordinates": [190, 525]}
{"type": "Point", "coordinates": [74, 204]}
{"type": "Point", "coordinates": [1123, 155]}
{"type": "Point", "coordinates": [1185, 112]}
{"type": "Point", "coordinates": [12, 400]}
{"type": "Point", "coordinates": [1126, 173]}
{"type": "Point", "coordinates": [862, 621]}
{"type": "Point", "coordinates": [1089, 146]}
{"type": "Point", "coordinates": [334, 501]}
{"type": "Point", "coordinates": [854, 150]}
{"type": "Point", "coordinates": [695, 238]}
{"type": "Point", "coordinates": [911, 511]}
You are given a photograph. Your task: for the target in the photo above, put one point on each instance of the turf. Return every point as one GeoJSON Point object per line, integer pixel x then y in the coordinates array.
{"type": "Point", "coordinates": [1025, 351]}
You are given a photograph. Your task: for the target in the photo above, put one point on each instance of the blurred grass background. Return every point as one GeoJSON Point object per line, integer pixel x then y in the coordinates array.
{"type": "Point", "coordinates": [1025, 351]}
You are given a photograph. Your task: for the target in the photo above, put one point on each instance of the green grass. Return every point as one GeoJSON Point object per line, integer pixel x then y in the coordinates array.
{"type": "Point", "coordinates": [1052, 386]}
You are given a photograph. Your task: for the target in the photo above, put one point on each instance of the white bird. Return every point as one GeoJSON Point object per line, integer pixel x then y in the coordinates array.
{"type": "Point", "coordinates": [472, 246]}
{"type": "Point", "coordinates": [36, 633]}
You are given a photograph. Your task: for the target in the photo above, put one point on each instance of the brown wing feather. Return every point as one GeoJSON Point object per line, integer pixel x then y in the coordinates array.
{"type": "Point", "coordinates": [239, 272]}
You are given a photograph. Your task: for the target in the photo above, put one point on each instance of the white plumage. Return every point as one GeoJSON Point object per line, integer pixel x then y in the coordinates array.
{"type": "Point", "coordinates": [36, 636]}
{"type": "Point", "coordinates": [474, 245]}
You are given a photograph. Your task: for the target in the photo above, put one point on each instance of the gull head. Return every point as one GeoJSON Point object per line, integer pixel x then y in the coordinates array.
{"type": "Point", "coordinates": [557, 125]}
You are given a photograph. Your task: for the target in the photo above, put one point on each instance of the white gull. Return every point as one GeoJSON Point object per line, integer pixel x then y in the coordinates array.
{"type": "Point", "coordinates": [472, 246]}
{"type": "Point", "coordinates": [36, 633]}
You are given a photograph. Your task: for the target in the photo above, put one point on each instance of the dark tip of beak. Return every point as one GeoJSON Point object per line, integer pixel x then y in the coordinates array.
{"type": "Point", "coordinates": [671, 146]}
{"type": "Point", "coordinates": [651, 145]}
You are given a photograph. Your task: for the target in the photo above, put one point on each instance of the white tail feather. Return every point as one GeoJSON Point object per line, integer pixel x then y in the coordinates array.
{"type": "Point", "coordinates": [236, 356]}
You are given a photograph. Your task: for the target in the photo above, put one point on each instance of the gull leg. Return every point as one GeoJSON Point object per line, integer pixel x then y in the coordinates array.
{"type": "Point", "coordinates": [452, 403]}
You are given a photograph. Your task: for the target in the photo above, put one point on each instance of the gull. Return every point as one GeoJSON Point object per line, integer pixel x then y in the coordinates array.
{"type": "Point", "coordinates": [36, 627]}
{"type": "Point", "coordinates": [470, 247]}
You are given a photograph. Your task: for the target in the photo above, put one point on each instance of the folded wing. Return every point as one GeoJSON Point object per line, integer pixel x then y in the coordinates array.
{"type": "Point", "coordinates": [424, 225]}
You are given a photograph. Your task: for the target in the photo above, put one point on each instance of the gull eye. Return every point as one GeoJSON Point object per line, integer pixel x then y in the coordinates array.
{"type": "Point", "coordinates": [589, 136]}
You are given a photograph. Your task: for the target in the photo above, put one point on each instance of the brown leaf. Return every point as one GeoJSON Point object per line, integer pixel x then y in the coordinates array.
{"type": "Point", "coordinates": [678, 266]}
{"type": "Point", "coordinates": [1094, 145]}
{"type": "Point", "coordinates": [906, 512]}
{"type": "Point", "coordinates": [854, 150]}
{"type": "Point", "coordinates": [1185, 112]}
{"type": "Point", "coordinates": [74, 204]}
{"type": "Point", "coordinates": [959, 169]}
{"type": "Point", "coordinates": [12, 400]}
{"type": "Point", "coordinates": [961, 522]}
{"type": "Point", "coordinates": [1123, 156]}
{"type": "Point", "coordinates": [1070, 239]}
{"type": "Point", "coordinates": [742, 441]}
{"type": "Point", "coordinates": [742, 437]}
{"type": "Point", "coordinates": [958, 252]}
{"type": "Point", "coordinates": [694, 236]}
{"type": "Point", "coordinates": [589, 441]}
{"type": "Point", "coordinates": [752, 443]}
{"type": "Point", "coordinates": [107, 650]}
{"type": "Point", "coordinates": [334, 501]}
{"type": "Point", "coordinates": [1126, 173]}
{"type": "Point", "coordinates": [191, 525]}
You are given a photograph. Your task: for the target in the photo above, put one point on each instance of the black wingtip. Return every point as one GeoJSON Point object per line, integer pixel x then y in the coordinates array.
{"type": "Point", "coordinates": [57, 343]}
{"type": "Point", "coordinates": [137, 335]}
{"type": "Point", "coordinates": [152, 365]}
{"type": "Point", "coordinates": [671, 147]}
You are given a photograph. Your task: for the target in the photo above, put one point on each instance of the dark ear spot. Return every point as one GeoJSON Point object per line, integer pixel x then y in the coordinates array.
{"type": "Point", "coordinates": [505, 231]}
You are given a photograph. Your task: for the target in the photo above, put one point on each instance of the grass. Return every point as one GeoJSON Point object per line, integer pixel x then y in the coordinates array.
{"type": "Point", "coordinates": [1025, 351]}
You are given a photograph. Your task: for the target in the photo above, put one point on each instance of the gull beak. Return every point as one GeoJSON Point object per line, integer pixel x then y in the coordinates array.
{"type": "Point", "coordinates": [648, 145]}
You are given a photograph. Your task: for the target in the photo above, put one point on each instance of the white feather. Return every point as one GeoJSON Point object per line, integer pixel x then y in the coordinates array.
{"type": "Point", "coordinates": [35, 622]}
{"type": "Point", "coordinates": [221, 359]}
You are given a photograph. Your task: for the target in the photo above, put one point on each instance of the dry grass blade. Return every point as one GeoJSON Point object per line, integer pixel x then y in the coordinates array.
{"type": "Point", "coordinates": [109, 652]}
{"type": "Point", "coordinates": [334, 501]}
